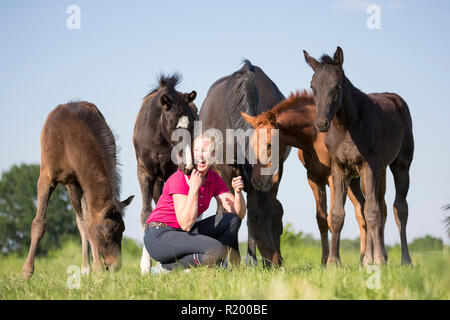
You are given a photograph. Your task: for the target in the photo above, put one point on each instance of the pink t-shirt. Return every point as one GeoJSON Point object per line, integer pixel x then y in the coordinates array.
{"type": "Point", "coordinates": [176, 184]}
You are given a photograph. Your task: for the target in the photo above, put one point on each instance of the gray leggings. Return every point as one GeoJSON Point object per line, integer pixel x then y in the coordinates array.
{"type": "Point", "coordinates": [203, 245]}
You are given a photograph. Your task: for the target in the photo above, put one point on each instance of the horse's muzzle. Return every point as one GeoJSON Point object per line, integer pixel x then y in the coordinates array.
{"type": "Point", "coordinates": [322, 125]}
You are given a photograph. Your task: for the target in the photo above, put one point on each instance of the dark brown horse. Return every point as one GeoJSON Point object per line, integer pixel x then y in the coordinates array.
{"type": "Point", "coordinates": [162, 112]}
{"type": "Point", "coordinates": [78, 150]}
{"type": "Point", "coordinates": [252, 91]}
{"type": "Point", "coordinates": [365, 134]}
{"type": "Point", "coordinates": [294, 118]}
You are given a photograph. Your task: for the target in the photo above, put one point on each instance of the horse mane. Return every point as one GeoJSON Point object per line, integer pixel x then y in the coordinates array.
{"type": "Point", "coordinates": [96, 124]}
{"type": "Point", "coordinates": [168, 82]}
{"type": "Point", "coordinates": [242, 95]}
{"type": "Point", "coordinates": [295, 99]}
{"type": "Point", "coordinates": [326, 59]}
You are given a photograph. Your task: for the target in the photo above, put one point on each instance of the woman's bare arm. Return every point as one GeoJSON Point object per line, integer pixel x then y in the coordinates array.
{"type": "Point", "coordinates": [186, 209]}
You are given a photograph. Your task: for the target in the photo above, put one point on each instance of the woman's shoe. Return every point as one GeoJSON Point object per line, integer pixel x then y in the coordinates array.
{"type": "Point", "coordinates": [159, 269]}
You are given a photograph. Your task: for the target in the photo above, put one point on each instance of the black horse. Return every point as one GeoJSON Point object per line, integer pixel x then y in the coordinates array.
{"type": "Point", "coordinates": [366, 133]}
{"type": "Point", "coordinates": [251, 91]}
{"type": "Point", "coordinates": [162, 112]}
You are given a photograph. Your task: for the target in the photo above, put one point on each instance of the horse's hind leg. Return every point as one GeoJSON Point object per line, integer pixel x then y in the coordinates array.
{"type": "Point", "coordinates": [76, 196]}
{"type": "Point", "coordinates": [383, 207]}
{"type": "Point", "coordinates": [146, 184]}
{"type": "Point", "coordinates": [400, 171]}
{"type": "Point", "coordinates": [320, 195]}
{"type": "Point", "coordinates": [340, 187]}
{"type": "Point", "coordinates": [357, 198]}
{"type": "Point", "coordinates": [45, 188]}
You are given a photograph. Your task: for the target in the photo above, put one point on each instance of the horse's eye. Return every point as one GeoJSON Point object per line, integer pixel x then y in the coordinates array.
{"type": "Point", "coordinates": [269, 145]}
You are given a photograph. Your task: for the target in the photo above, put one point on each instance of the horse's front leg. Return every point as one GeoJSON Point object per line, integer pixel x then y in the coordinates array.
{"type": "Point", "coordinates": [372, 212]}
{"type": "Point", "coordinates": [251, 259]}
{"type": "Point", "coordinates": [340, 186]}
{"type": "Point", "coordinates": [78, 202]}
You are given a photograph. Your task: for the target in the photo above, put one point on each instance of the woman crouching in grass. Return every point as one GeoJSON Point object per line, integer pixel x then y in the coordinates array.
{"type": "Point", "coordinates": [172, 235]}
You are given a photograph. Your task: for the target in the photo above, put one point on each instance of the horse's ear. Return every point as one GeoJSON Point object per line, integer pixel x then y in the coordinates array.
{"type": "Point", "coordinates": [126, 202]}
{"type": "Point", "coordinates": [339, 57]}
{"type": "Point", "coordinates": [313, 63]}
{"type": "Point", "coordinates": [272, 117]}
{"type": "Point", "coordinates": [166, 102]}
{"type": "Point", "coordinates": [191, 96]}
{"type": "Point", "coordinates": [249, 119]}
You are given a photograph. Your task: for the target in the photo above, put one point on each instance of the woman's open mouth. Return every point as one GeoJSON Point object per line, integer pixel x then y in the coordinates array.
{"type": "Point", "coordinates": [201, 164]}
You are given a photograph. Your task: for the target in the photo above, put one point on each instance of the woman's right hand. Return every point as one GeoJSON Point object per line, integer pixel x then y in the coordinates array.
{"type": "Point", "coordinates": [195, 180]}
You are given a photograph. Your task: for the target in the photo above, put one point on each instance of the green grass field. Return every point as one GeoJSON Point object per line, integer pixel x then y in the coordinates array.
{"type": "Point", "coordinates": [301, 277]}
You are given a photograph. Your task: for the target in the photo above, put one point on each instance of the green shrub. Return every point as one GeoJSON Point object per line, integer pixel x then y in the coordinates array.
{"type": "Point", "coordinates": [428, 243]}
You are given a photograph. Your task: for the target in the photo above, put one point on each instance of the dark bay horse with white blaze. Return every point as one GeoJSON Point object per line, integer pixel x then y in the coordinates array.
{"type": "Point", "coordinates": [365, 134]}
{"type": "Point", "coordinates": [163, 111]}
{"type": "Point", "coordinates": [78, 150]}
{"type": "Point", "coordinates": [294, 119]}
{"type": "Point", "coordinates": [252, 91]}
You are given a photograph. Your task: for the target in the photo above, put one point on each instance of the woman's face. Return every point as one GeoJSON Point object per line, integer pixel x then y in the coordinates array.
{"type": "Point", "coordinates": [202, 155]}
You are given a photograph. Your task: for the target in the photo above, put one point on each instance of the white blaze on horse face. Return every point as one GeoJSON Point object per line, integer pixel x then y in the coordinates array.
{"type": "Point", "coordinates": [274, 154]}
{"type": "Point", "coordinates": [183, 122]}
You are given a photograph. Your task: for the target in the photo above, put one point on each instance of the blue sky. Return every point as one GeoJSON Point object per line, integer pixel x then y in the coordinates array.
{"type": "Point", "coordinates": [113, 61]}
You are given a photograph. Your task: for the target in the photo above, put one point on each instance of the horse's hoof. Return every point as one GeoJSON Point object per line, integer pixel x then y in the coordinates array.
{"type": "Point", "coordinates": [250, 261]}
{"type": "Point", "coordinates": [145, 266]}
{"type": "Point", "coordinates": [380, 261]}
{"type": "Point", "coordinates": [407, 262]}
{"type": "Point", "coordinates": [26, 274]}
{"type": "Point", "coordinates": [366, 261]}
{"type": "Point", "coordinates": [333, 263]}
{"type": "Point", "coordinates": [85, 270]}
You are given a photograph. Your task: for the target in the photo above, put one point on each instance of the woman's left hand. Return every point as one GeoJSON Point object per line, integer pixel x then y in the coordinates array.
{"type": "Point", "coordinates": [238, 184]}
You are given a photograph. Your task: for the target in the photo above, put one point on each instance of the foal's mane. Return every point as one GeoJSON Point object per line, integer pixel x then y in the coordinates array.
{"type": "Point", "coordinates": [295, 100]}
{"type": "Point", "coordinates": [93, 119]}
{"type": "Point", "coordinates": [168, 82]}
{"type": "Point", "coordinates": [326, 59]}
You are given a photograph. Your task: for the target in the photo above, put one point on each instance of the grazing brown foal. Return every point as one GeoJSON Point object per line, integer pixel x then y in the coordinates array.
{"type": "Point", "coordinates": [294, 118]}
{"type": "Point", "coordinates": [79, 150]}
{"type": "Point", "coordinates": [365, 133]}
